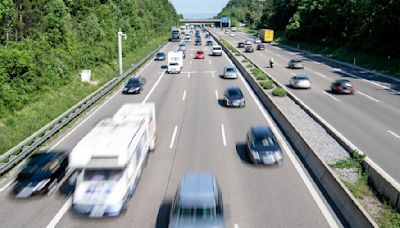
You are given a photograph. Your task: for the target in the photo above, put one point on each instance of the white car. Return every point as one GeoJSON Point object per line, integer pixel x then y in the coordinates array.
{"type": "Point", "coordinates": [300, 82]}
{"type": "Point", "coordinates": [232, 35]}
{"type": "Point", "coordinates": [187, 38]}
{"type": "Point", "coordinates": [247, 42]}
{"type": "Point", "coordinates": [257, 41]}
{"type": "Point", "coordinates": [217, 50]}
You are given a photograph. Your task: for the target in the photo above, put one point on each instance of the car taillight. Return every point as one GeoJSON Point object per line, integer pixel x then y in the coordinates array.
{"type": "Point", "coordinates": [339, 88]}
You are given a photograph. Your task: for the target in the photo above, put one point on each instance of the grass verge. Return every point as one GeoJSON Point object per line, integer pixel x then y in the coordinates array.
{"type": "Point", "coordinates": [19, 125]}
{"type": "Point", "coordinates": [268, 84]}
{"type": "Point", "coordinates": [382, 213]}
{"type": "Point", "coordinates": [259, 74]}
{"type": "Point", "coordinates": [279, 92]}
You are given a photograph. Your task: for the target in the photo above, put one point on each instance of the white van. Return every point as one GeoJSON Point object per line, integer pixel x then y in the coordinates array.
{"type": "Point", "coordinates": [217, 50]}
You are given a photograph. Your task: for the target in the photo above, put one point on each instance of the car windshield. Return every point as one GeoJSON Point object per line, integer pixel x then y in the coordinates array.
{"type": "Point", "coordinates": [102, 175]}
{"type": "Point", "coordinates": [134, 82]}
{"type": "Point", "coordinates": [199, 213]}
{"type": "Point", "coordinates": [200, 52]}
{"type": "Point", "coordinates": [263, 141]}
{"type": "Point", "coordinates": [217, 48]}
{"type": "Point", "coordinates": [301, 78]}
{"type": "Point", "coordinates": [230, 70]}
{"type": "Point", "coordinates": [160, 54]}
{"type": "Point", "coordinates": [234, 92]}
{"type": "Point", "coordinates": [173, 64]}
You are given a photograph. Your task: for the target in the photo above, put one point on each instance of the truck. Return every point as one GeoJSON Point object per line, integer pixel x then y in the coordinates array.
{"type": "Point", "coordinates": [266, 35]}
{"type": "Point", "coordinates": [175, 35]}
{"type": "Point", "coordinates": [175, 62]}
{"type": "Point", "coordinates": [109, 160]}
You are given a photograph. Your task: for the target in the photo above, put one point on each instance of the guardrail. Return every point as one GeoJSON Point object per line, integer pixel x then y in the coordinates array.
{"type": "Point", "coordinates": [340, 196]}
{"type": "Point", "coordinates": [16, 154]}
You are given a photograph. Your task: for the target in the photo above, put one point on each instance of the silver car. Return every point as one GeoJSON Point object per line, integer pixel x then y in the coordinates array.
{"type": "Point", "coordinates": [300, 81]}
{"type": "Point", "coordinates": [262, 146]}
{"type": "Point", "coordinates": [230, 72]}
{"type": "Point", "coordinates": [295, 64]}
{"type": "Point", "coordinates": [197, 203]}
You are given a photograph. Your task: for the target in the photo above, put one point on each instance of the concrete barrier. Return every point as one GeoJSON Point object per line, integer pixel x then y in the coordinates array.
{"type": "Point", "coordinates": [340, 196]}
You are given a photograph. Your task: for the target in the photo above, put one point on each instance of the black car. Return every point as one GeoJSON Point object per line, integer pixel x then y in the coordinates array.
{"type": "Point", "coordinates": [209, 43]}
{"type": "Point", "coordinates": [208, 35]}
{"type": "Point", "coordinates": [260, 46]}
{"type": "Point", "coordinates": [342, 86]}
{"type": "Point", "coordinates": [241, 45]}
{"type": "Point", "coordinates": [249, 48]}
{"type": "Point", "coordinates": [160, 56]}
{"type": "Point", "coordinates": [40, 174]}
{"type": "Point", "coordinates": [233, 97]}
{"type": "Point", "coordinates": [134, 85]}
{"type": "Point", "coordinates": [262, 146]}
{"type": "Point", "coordinates": [197, 42]}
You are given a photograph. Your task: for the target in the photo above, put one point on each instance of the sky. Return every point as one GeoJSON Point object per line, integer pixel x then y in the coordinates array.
{"type": "Point", "coordinates": [199, 9]}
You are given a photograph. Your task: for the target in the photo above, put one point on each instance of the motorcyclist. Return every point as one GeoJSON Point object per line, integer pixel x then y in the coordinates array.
{"type": "Point", "coordinates": [271, 62]}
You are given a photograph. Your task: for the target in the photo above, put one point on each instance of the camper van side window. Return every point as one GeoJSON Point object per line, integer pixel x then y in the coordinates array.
{"type": "Point", "coordinates": [139, 148]}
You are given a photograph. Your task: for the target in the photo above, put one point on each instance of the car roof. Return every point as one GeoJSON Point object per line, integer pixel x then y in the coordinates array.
{"type": "Point", "coordinates": [230, 88]}
{"type": "Point", "coordinates": [300, 76]}
{"type": "Point", "coordinates": [261, 131]}
{"type": "Point", "coordinates": [343, 81]}
{"type": "Point", "coordinates": [198, 189]}
{"type": "Point", "coordinates": [200, 51]}
{"type": "Point", "coordinates": [230, 66]}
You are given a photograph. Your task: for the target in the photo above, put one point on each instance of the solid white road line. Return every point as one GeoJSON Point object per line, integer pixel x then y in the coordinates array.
{"type": "Point", "coordinates": [173, 137]}
{"type": "Point", "coordinates": [216, 94]}
{"type": "Point", "coordinates": [223, 134]}
{"type": "Point", "coordinates": [322, 75]}
{"type": "Point", "coordinates": [330, 96]}
{"type": "Point", "coordinates": [184, 95]}
{"type": "Point", "coordinates": [154, 86]}
{"type": "Point", "coordinates": [367, 96]}
{"type": "Point", "coordinates": [190, 61]}
{"type": "Point", "coordinates": [394, 134]}
{"type": "Point", "coordinates": [324, 210]}
{"type": "Point", "coordinates": [213, 74]}
{"type": "Point", "coordinates": [6, 186]}
{"type": "Point", "coordinates": [60, 213]}
{"type": "Point", "coordinates": [188, 74]}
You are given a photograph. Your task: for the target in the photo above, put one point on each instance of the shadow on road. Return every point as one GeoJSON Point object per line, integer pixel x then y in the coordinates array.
{"type": "Point", "coordinates": [163, 214]}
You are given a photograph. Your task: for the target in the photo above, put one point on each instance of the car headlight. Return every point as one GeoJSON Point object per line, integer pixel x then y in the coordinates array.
{"type": "Point", "coordinates": [41, 185]}
{"type": "Point", "coordinates": [256, 156]}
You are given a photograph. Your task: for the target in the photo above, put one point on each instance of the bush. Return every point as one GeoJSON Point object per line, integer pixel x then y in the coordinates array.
{"type": "Point", "coordinates": [259, 74]}
{"type": "Point", "coordinates": [267, 84]}
{"type": "Point", "coordinates": [249, 65]}
{"type": "Point", "coordinates": [279, 92]}
{"type": "Point", "coordinates": [238, 54]}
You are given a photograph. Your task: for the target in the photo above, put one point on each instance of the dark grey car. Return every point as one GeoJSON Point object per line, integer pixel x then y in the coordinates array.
{"type": "Point", "coordinates": [233, 97]}
{"type": "Point", "coordinates": [197, 203]}
{"type": "Point", "coordinates": [262, 146]}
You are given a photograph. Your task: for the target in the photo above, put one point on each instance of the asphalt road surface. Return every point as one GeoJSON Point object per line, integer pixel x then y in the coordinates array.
{"type": "Point", "coordinates": [195, 132]}
{"type": "Point", "coordinates": [370, 119]}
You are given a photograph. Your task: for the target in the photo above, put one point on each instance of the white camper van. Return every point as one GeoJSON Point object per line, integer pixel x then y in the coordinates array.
{"type": "Point", "coordinates": [175, 62]}
{"type": "Point", "coordinates": [110, 159]}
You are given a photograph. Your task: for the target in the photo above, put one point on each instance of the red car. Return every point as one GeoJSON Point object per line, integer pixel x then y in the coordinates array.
{"type": "Point", "coordinates": [200, 55]}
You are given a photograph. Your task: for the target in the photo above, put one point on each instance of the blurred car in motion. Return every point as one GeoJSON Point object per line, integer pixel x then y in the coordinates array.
{"type": "Point", "coordinates": [342, 86]}
{"type": "Point", "coordinates": [230, 72]}
{"type": "Point", "coordinates": [197, 202]}
{"type": "Point", "coordinates": [197, 42]}
{"type": "Point", "coordinates": [257, 40]}
{"type": "Point", "coordinates": [134, 85]}
{"type": "Point", "coordinates": [40, 174]}
{"type": "Point", "coordinates": [241, 45]}
{"type": "Point", "coordinates": [296, 63]}
{"type": "Point", "coordinates": [247, 42]}
{"type": "Point", "coordinates": [160, 56]}
{"type": "Point", "coordinates": [262, 146]}
{"type": "Point", "coordinates": [260, 47]}
{"type": "Point", "coordinates": [217, 50]}
{"type": "Point", "coordinates": [300, 81]}
{"type": "Point", "coordinates": [232, 34]}
{"type": "Point", "coordinates": [209, 43]}
{"type": "Point", "coordinates": [249, 48]}
{"type": "Point", "coordinates": [233, 97]}
{"type": "Point", "coordinates": [187, 38]}
{"type": "Point", "coordinates": [199, 54]}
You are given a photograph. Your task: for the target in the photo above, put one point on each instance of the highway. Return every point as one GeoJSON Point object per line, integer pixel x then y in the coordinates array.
{"type": "Point", "coordinates": [194, 133]}
{"type": "Point", "coordinates": [369, 119]}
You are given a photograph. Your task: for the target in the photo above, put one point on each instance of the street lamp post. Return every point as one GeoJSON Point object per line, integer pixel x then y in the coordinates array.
{"type": "Point", "coordinates": [120, 36]}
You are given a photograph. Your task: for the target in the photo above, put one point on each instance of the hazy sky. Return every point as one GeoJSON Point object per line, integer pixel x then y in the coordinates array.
{"type": "Point", "coordinates": [199, 8]}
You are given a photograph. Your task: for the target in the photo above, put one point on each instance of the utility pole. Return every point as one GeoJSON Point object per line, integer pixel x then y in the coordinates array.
{"type": "Point", "coordinates": [120, 36]}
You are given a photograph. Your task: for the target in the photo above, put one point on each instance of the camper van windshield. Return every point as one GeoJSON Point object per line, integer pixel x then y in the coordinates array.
{"type": "Point", "coordinates": [102, 175]}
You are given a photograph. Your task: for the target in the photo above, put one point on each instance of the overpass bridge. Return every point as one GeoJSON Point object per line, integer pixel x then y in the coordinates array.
{"type": "Point", "coordinates": [216, 22]}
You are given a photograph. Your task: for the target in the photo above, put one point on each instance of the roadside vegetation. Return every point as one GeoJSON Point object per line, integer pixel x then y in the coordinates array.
{"type": "Point", "coordinates": [360, 30]}
{"type": "Point", "coordinates": [43, 47]}
{"type": "Point", "coordinates": [383, 214]}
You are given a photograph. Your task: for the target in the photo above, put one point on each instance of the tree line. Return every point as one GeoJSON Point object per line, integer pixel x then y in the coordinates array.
{"type": "Point", "coordinates": [364, 25]}
{"type": "Point", "coordinates": [43, 44]}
